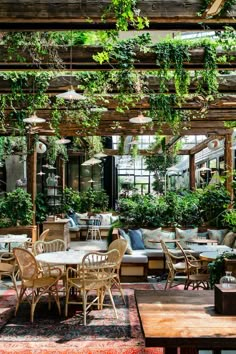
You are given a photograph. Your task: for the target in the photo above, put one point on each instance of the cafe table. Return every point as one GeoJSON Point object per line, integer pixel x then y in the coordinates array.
{"type": "Point", "coordinates": [9, 239]}
{"type": "Point", "coordinates": [66, 258]}
{"type": "Point", "coordinates": [212, 255]}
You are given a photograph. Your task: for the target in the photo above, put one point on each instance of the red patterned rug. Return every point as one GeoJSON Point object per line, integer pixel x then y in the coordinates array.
{"type": "Point", "coordinates": [59, 335]}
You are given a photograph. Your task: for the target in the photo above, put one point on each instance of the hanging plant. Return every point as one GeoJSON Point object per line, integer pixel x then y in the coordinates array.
{"type": "Point", "coordinates": [121, 145]}
{"type": "Point", "coordinates": [174, 54]}
{"type": "Point", "coordinates": [55, 150]}
{"type": "Point", "coordinates": [126, 14]}
{"type": "Point", "coordinates": [162, 111]}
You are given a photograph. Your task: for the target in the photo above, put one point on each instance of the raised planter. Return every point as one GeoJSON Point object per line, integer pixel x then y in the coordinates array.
{"type": "Point", "coordinates": [30, 230]}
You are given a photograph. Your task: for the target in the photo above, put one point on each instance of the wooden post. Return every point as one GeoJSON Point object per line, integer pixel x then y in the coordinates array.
{"type": "Point", "coordinates": [229, 164]}
{"type": "Point", "coordinates": [192, 172]}
{"type": "Point", "coordinates": [61, 173]}
{"type": "Point", "coordinates": [31, 171]}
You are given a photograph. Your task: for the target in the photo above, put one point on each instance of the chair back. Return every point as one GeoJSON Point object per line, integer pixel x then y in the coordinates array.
{"type": "Point", "coordinates": [49, 246]}
{"type": "Point", "coordinates": [120, 245]}
{"type": "Point", "coordinates": [169, 257]}
{"type": "Point", "coordinates": [43, 235]}
{"type": "Point", "coordinates": [27, 263]}
{"type": "Point", "coordinates": [98, 268]}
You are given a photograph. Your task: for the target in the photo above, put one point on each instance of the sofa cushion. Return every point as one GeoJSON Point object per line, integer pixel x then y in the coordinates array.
{"type": "Point", "coordinates": [204, 235]}
{"type": "Point", "coordinates": [153, 235]}
{"type": "Point", "coordinates": [185, 235]}
{"type": "Point", "coordinates": [125, 236]}
{"type": "Point", "coordinates": [136, 239]}
{"type": "Point", "coordinates": [168, 235]}
{"type": "Point", "coordinates": [229, 239]}
{"type": "Point", "coordinates": [81, 216]}
{"type": "Point", "coordinates": [217, 235]}
{"type": "Point", "coordinates": [105, 218]}
{"type": "Point", "coordinates": [138, 256]}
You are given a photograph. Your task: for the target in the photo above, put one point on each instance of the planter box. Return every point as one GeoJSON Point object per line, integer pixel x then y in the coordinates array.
{"type": "Point", "coordinates": [30, 230]}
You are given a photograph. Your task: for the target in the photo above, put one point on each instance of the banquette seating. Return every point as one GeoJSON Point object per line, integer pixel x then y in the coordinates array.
{"type": "Point", "coordinates": [144, 255]}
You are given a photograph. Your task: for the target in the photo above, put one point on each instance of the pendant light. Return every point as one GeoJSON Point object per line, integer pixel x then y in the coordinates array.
{"type": "Point", "coordinates": [100, 155]}
{"type": "Point", "coordinates": [62, 141]}
{"type": "Point", "coordinates": [140, 119]}
{"type": "Point", "coordinates": [34, 119]}
{"type": "Point", "coordinates": [71, 95]}
{"type": "Point", "coordinates": [91, 162]}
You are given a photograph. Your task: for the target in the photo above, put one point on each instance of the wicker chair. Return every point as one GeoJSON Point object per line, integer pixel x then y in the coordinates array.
{"type": "Point", "coordinates": [176, 266]}
{"type": "Point", "coordinates": [34, 284]}
{"type": "Point", "coordinates": [42, 237]}
{"type": "Point", "coordinates": [8, 268]}
{"type": "Point", "coordinates": [197, 276]}
{"type": "Point", "coordinates": [95, 274]}
{"type": "Point", "coordinates": [48, 246]}
{"type": "Point", "coordinates": [121, 246]}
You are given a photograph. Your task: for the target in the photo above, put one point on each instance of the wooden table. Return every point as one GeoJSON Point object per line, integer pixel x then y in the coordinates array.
{"type": "Point", "coordinates": [184, 319]}
{"type": "Point", "coordinates": [202, 241]}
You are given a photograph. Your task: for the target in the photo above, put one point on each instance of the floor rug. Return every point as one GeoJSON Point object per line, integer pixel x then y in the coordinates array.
{"type": "Point", "coordinates": [53, 334]}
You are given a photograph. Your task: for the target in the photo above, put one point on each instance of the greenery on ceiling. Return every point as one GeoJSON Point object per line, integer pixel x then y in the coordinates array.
{"type": "Point", "coordinates": [131, 85]}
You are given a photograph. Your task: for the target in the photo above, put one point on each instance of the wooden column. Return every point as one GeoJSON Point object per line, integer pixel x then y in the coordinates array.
{"type": "Point", "coordinates": [31, 171]}
{"type": "Point", "coordinates": [229, 164]}
{"type": "Point", "coordinates": [61, 167]}
{"type": "Point", "coordinates": [192, 172]}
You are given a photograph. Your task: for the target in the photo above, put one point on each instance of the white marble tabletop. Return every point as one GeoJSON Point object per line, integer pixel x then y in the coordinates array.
{"type": "Point", "coordinates": [62, 257]}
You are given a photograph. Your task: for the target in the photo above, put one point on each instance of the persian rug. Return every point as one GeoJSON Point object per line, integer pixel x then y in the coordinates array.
{"type": "Point", "coordinates": [51, 333]}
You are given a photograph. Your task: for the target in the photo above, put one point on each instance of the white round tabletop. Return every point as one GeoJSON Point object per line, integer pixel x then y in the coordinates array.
{"type": "Point", "coordinates": [62, 257]}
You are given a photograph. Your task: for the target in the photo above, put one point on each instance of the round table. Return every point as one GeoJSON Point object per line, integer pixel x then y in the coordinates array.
{"type": "Point", "coordinates": [62, 257]}
{"type": "Point", "coordinates": [212, 255]}
{"type": "Point", "coordinates": [202, 241]}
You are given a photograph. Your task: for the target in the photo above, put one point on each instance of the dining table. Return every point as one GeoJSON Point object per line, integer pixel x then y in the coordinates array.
{"type": "Point", "coordinates": [66, 258]}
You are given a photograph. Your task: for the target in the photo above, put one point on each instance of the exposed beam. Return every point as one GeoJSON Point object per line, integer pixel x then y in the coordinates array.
{"type": "Point", "coordinates": [199, 147]}
{"type": "Point", "coordinates": [58, 84]}
{"type": "Point", "coordinates": [214, 8]}
{"type": "Point", "coordinates": [86, 14]}
{"type": "Point", "coordinates": [82, 60]}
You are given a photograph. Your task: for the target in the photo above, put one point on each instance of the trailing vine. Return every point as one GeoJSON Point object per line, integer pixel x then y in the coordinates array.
{"type": "Point", "coordinates": [126, 14]}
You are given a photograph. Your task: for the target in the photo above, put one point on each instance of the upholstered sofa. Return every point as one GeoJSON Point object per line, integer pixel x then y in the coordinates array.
{"type": "Point", "coordinates": [145, 256]}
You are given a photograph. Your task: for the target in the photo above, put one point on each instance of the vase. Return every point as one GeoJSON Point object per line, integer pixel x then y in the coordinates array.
{"type": "Point", "coordinates": [228, 281]}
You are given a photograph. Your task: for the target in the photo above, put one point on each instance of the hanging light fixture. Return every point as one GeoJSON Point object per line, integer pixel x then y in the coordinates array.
{"type": "Point", "coordinates": [91, 181]}
{"type": "Point", "coordinates": [41, 173]}
{"type": "Point", "coordinates": [34, 119]}
{"type": "Point", "coordinates": [140, 119]}
{"type": "Point", "coordinates": [71, 95]}
{"type": "Point", "coordinates": [91, 161]}
{"type": "Point", "coordinates": [100, 155]}
{"type": "Point", "coordinates": [63, 141]}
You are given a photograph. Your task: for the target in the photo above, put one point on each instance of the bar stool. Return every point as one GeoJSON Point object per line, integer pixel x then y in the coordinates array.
{"type": "Point", "coordinates": [94, 229]}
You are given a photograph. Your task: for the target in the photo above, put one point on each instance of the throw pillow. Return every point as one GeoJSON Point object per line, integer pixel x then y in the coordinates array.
{"type": "Point", "coordinates": [81, 216]}
{"type": "Point", "coordinates": [136, 239]}
{"type": "Point", "coordinates": [203, 235]}
{"type": "Point", "coordinates": [217, 235]}
{"type": "Point", "coordinates": [184, 235]}
{"type": "Point", "coordinates": [125, 236]}
{"type": "Point", "coordinates": [106, 219]}
{"type": "Point", "coordinates": [153, 235]}
{"type": "Point", "coordinates": [168, 235]}
{"type": "Point", "coordinates": [229, 239]}
{"type": "Point", "coordinates": [71, 222]}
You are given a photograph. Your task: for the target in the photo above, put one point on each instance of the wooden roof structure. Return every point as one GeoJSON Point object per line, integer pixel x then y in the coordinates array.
{"type": "Point", "coordinates": [168, 15]}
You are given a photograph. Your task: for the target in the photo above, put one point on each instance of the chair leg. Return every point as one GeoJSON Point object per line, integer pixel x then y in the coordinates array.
{"type": "Point", "coordinates": [112, 301]}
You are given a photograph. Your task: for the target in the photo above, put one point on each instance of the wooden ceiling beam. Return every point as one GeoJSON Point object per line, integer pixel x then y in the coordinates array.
{"type": "Point", "coordinates": [47, 15]}
{"type": "Point", "coordinates": [213, 8]}
{"type": "Point", "coordinates": [82, 60]}
{"type": "Point", "coordinates": [199, 147]}
{"type": "Point", "coordinates": [59, 84]}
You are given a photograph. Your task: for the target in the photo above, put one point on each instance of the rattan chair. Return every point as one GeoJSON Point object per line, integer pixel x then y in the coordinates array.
{"type": "Point", "coordinates": [34, 284]}
{"type": "Point", "coordinates": [94, 276]}
{"type": "Point", "coordinates": [121, 246]}
{"type": "Point", "coordinates": [196, 273]}
{"type": "Point", "coordinates": [48, 246]}
{"type": "Point", "coordinates": [42, 237]}
{"type": "Point", "coordinates": [176, 266]}
{"type": "Point", "coordinates": [8, 268]}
